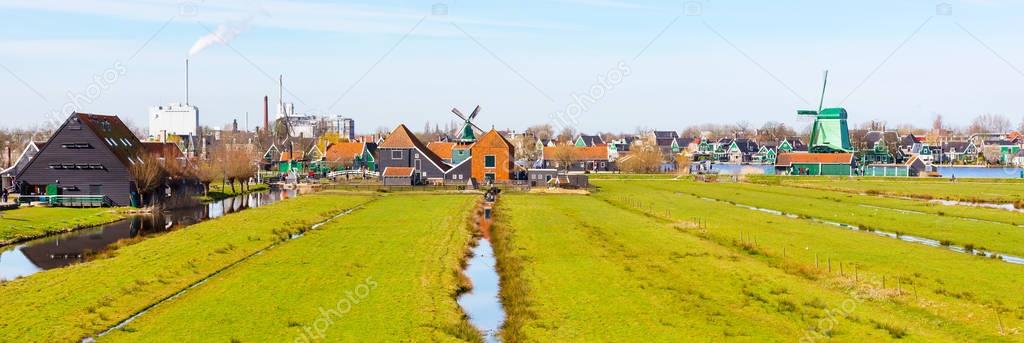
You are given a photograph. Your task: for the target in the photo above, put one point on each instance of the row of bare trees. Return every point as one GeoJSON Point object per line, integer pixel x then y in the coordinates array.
{"type": "Point", "coordinates": [229, 163]}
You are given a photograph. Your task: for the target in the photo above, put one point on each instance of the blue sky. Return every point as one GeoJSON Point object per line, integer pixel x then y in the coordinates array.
{"type": "Point", "coordinates": [386, 62]}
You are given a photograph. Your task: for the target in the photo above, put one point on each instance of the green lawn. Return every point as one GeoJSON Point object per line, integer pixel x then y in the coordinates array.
{"type": "Point", "coordinates": [960, 291]}
{"type": "Point", "coordinates": [581, 269]}
{"type": "Point", "coordinates": [849, 209]}
{"type": "Point", "coordinates": [388, 271]}
{"type": "Point", "coordinates": [971, 190]}
{"type": "Point", "coordinates": [30, 222]}
{"type": "Point", "coordinates": [72, 303]}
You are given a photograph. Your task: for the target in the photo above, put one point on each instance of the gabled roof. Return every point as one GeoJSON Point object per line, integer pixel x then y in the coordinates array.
{"type": "Point", "coordinates": [746, 145]}
{"type": "Point", "coordinates": [494, 139]}
{"type": "Point", "coordinates": [29, 152]}
{"type": "Point", "coordinates": [116, 134]}
{"type": "Point", "coordinates": [665, 135]}
{"type": "Point", "coordinates": [402, 138]}
{"type": "Point", "coordinates": [787, 159]}
{"type": "Point", "coordinates": [292, 155]}
{"type": "Point", "coordinates": [591, 140]}
{"type": "Point", "coordinates": [344, 151]}
{"type": "Point", "coordinates": [442, 149]}
{"type": "Point", "coordinates": [398, 171]}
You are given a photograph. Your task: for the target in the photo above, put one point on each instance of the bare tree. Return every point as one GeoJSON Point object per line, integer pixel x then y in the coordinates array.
{"type": "Point", "coordinates": [992, 154]}
{"type": "Point", "coordinates": [566, 134]}
{"type": "Point", "coordinates": [543, 131]}
{"type": "Point", "coordinates": [205, 172]}
{"type": "Point", "coordinates": [565, 155]}
{"type": "Point", "coordinates": [990, 123]}
{"type": "Point", "coordinates": [149, 175]}
{"type": "Point", "coordinates": [642, 159]}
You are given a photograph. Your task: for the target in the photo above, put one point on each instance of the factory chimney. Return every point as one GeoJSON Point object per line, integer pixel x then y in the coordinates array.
{"type": "Point", "coordinates": [266, 114]}
{"type": "Point", "coordinates": [186, 82]}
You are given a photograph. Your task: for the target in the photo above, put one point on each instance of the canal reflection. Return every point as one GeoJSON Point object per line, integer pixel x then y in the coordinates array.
{"type": "Point", "coordinates": [65, 249]}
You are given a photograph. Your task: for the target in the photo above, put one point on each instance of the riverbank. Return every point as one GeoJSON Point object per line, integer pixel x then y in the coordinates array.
{"type": "Point", "coordinates": [28, 223]}
{"type": "Point", "coordinates": [220, 192]}
{"type": "Point", "coordinates": [72, 303]}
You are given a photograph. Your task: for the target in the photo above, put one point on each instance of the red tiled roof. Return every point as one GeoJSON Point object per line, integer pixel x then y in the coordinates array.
{"type": "Point", "coordinates": [590, 153]}
{"type": "Point", "coordinates": [345, 151]}
{"type": "Point", "coordinates": [787, 159]}
{"type": "Point", "coordinates": [493, 139]}
{"type": "Point", "coordinates": [163, 150]}
{"type": "Point", "coordinates": [398, 171]}
{"type": "Point", "coordinates": [442, 149]}
{"type": "Point", "coordinates": [291, 156]}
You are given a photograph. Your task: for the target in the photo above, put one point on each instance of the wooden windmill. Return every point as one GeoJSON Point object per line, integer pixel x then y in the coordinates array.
{"type": "Point", "coordinates": [469, 131]}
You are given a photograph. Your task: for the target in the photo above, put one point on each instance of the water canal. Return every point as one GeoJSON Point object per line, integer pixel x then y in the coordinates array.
{"type": "Point", "coordinates": [61, 250]}
{"type": "Point", "coordinates": [899, 236]}
{"type": "Point", "coordinates": [482, 303]}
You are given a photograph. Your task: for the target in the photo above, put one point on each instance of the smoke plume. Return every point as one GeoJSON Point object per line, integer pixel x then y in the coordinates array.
{"type": "Point", "coordinates": [224, 34]}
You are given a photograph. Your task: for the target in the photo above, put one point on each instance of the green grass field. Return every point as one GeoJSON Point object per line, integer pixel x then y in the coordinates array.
{"type": "Point", "coordinates": [876, 213]}
{"type": "Point", "coordinates": [963, 291]}
{"type": "Point", "coordinates": [584, 269]}
{"type": "Point", "coordinates": [30, 222]}
{"type": "Point", "coordinates": [386, 277]}
{"type": "Point", "coordinates": [969, 190]}
{"type": "Point", "coordinates": [72, 303]}
{"type": "Point", "coordinates": [640, 259]}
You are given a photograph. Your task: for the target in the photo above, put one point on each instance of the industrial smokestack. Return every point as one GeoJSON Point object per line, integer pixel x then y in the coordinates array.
{"type": "Point", "coordinates": [266, 114]}
{"type": "Point", "coordinates": [186, 82]}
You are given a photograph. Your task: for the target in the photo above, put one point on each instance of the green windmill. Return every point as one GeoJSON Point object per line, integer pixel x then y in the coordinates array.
{"type": "Point", "coordinates": [469, 130]}
{"type": "Point", "coordinates": [830, 133]}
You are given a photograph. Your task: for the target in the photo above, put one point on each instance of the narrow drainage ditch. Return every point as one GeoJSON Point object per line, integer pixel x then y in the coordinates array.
{"type": "Point", "coordinates": [482, 303]}
{"type": "Point", "coordinates": [202, 281]}
{"type": "Point", "coordinates": [906, 238]}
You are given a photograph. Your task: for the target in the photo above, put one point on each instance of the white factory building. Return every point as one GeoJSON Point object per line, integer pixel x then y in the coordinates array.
{"type": "Point", "coordinates": [173, 120]}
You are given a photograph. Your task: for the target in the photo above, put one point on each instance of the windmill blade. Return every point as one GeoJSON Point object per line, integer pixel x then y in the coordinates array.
{"type": "Point", "coordinates": [459, 113]}
{"type": "Point", "coordinates": [475, 112]}
{"type": "Point", "coordinates": [476, 127]}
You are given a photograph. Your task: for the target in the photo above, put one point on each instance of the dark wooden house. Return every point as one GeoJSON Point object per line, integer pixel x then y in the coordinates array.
{"type": "Point", "coordinates": [402, 149]}
{"type": "Point", "coordinates": [88, 155]}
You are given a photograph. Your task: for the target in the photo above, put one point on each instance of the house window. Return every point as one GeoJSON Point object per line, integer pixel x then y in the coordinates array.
{"type": "Point", "coordinates": [76, 146]}
{"type": "Point", "coordinates": [396, 154]}
{"type": "Point", "coordinates": [489, 161]}
{"type": "Point", "coordinates": [489, 177]}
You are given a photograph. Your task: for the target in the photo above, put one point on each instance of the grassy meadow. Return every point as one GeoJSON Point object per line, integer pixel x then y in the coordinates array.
{"type": "Point", "coordinates": [640, 259]}
{"type": "Point", "coordinates": [891, 215]}
{"type": "Point", "coordinates": [1001, 191]}
{"type": "Point", "coordinates": [386, 277]}
{"type": "Point", "coordinates": [973, 294]}
{"type": "Point", "coordinates": [583, 268]}
{"type": "Point", "coordinates": [75, 302]}
{"type": "Point", "coordinates": [30, 222]}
